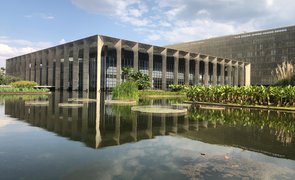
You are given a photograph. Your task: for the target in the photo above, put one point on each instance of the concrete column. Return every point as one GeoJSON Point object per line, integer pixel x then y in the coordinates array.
{"type": "Point", "coordinates": [206, 72]}
{"type": "Point", "coordinates": [33, 67]}
{"type": "Point", "coordinates": [164, 69]}
{"type": "Point", "coordinates": [20, 69]}
{"type": "Point", "coordinates": [197, 71]}
{"type": "Point", "coordinates": [19, 64]}
{"type": "Point", "coordinates": [23, 67]}
{"type": "Point", "coordinates": [50, 66]}
{"type": "Point", "coordinates": [247, 74]}
{"type": "Point", "coordinates": [76, 66]}
{"type": "Point", "coordinates": [15, 71]}
{"type": "Point", "coordinates": [28, 69]}
{"type": "Point", "coordinates": [176, 64]}
{"type": "Point", "coordinates": [236, 75]}
{"type": "Point", "coordinates": [119, 60]}
{"type": "Point", "coordinates": [38, 68]}
{"type": "Point", "coordinates": [242, 74]}
{"type": "Point", "coordinates": [186, 69]}
{"type": "Point", "coordinates": [222, 72]}
{"type": "Point", "coordinates": [14, 67]}
{"type": "Point", "coordinates": [44, 67]}
{"type": "Point", "coordinates": [66, 67]}
{"type": "Point", "coordinates": [214, 72]}
{"type": "Point", "coordinates": [99, 62]}
{"type": "Point", "coordinates": [229, 71]}
{"type": "Point", "coordinates": [85, 66]}
{"type": "Point", "coordinates": [135, 57]}
{"type": "Point", "coordinates": [57, 67]}
{"type": "Point", "coordinates": [17, 67]}
{"type": "Point", "coordinates": [7, 66]}
{"type": "Point", "coordinates": [151, 63]}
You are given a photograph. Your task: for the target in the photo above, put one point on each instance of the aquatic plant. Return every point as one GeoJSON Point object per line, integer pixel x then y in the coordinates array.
{"type": "Point", "coordinates": [127, 90]}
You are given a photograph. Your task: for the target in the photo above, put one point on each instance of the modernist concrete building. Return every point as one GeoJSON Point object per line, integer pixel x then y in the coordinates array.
{"type": "Point", "coordinates": [95, 63]}
{"type": "Point", "coordinates": [263, 49]}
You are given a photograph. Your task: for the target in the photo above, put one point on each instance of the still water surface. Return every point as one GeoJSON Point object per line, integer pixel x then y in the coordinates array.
{"type": "Point", "coordinates": [99, 141]}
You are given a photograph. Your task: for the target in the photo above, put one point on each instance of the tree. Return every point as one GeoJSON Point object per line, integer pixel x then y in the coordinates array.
{"type": "Point", "coordinates": [5, 79]}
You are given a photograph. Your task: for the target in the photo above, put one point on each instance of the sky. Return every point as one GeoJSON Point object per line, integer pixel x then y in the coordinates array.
{"type": "Point", "coordinates": [30, 25]}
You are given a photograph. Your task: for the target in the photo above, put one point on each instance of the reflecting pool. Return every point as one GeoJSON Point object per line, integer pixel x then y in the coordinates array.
{"type": "Point", "coordinates": [98, 141]}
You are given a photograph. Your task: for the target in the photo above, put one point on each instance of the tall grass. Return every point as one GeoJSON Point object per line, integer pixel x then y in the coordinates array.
{"type": "Point", "coordinates": [127, 90]}
{"type": "Point", "coordinates": [284, 71]}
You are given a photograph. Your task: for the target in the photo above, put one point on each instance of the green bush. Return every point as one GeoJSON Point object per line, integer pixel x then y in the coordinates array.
{"type": "Point", "coordinates": [178, 87]}
{"type": "Point", "coordinates": [127, 90]}
{"type": "Point", "coordinates": [142, 80]}
{"type": "Point", "coordinates": [24, 84]}
{"type": "Point", "coordinates": [5, 79]}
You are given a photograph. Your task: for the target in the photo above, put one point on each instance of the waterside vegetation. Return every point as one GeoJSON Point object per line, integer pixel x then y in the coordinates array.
{"type": "Point", "coordinates": [245, 95]}
{"type": "Point", "coordinates": [127, 90]}
{"type": "Point", "coordinates": [22, 87]}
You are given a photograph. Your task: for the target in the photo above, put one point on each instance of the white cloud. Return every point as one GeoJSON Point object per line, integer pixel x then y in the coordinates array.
{"type": "Point", "coordinates": [62, 41]}
{"type": "Point", "coordinates": [177, 20]}
{"type": "Point", "coordinates": [14, 47]}
{"type": "Point", "coordinates": [39, 15]}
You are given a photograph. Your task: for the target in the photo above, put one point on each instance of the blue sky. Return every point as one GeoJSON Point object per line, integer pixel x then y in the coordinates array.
{"type": "Point", "coordinates": [29, 25]}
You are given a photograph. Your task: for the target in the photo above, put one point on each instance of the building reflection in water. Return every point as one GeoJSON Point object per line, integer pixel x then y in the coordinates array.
{"type": "Point", "coordinates": [99, 125]}
{"type": "Point", "coordinates": [95, 124]}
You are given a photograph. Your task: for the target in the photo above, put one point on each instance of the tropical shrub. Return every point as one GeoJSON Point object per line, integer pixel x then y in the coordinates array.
{"type": "Point", "coordinates": [251, 95]}
{"type": "Point", "coordinates": [142, 80]}
{"type": "Point", "coordinates": [127, 90]}
{"type": "Point", "coordinates": [178, 87]}
{"type": "Point", "coordinates": [24, 84]}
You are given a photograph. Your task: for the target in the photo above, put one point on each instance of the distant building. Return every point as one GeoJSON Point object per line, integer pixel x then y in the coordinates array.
{"type": "Point", "coordinates": [263, 49]}
{"type": "Point", "coordinates": [95, 63]}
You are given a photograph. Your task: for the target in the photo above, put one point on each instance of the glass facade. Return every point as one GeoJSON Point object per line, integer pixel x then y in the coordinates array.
{"type": "Point", "coordinates": [169, 71]}
{"type": "Point", "coordinates": [157, 72]}
{"type": "Point", "coordinates": [143, 60]}
{"type": "Point", "coordinates": [192, 67]}
{"type": "Point", "coordinates": [181, 70]}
